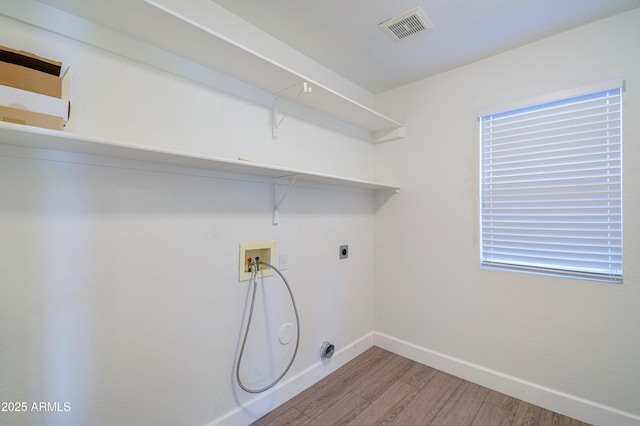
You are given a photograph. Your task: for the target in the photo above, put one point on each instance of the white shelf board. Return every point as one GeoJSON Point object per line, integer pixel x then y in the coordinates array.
{"type": "Point", "coordinates": [40, 138]}
{"type": "Point", "coordinates": [196, 19]}
{"type": "Point", "coordinates": [188, 34]}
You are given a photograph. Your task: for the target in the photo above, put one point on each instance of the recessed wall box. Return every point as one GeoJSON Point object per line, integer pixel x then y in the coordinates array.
{"type": "Point", "coordinates": [264, 250]}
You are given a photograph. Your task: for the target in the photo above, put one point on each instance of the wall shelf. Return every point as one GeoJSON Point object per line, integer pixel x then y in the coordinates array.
{"type": "Point", "coordinates": [45, 139]}
{"type": "Point", "coordinates": [195, 30]}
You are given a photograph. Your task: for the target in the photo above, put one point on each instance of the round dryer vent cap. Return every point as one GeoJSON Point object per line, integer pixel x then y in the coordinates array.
{"type": "Point", "coordinates": [327, 350]}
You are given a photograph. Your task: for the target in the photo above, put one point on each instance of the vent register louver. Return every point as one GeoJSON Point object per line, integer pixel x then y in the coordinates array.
{"type": "Point", "coordinates": [405, 25]}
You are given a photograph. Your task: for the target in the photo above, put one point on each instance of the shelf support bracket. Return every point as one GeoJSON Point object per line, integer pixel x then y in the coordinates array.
{"type": "Point", "coordinates": [278, 203]}
{"type": "Point", "coordinates": [276, 121]}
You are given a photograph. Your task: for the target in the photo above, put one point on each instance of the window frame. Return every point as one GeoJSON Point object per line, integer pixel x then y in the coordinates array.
{"type": "Point", "coordinates": [539, 104]}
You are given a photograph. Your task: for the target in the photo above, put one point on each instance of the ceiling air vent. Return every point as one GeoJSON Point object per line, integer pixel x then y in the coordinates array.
{"type": "Point", "coordinates": [407, 24]}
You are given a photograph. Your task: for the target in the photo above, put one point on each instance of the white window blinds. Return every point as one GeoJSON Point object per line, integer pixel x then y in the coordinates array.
{"type": "Point", "coordinates": [551, 187]}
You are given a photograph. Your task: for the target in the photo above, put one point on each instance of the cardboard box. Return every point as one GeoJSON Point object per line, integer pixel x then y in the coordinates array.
{"type": "Point", "coordinates": [35, 102]}
{"type": "Point", "coordinates": [31, 80]}
{"type": "Point", "coordinates": [30, 118]}
{"type": "Point", "coordinates": [29, 60]}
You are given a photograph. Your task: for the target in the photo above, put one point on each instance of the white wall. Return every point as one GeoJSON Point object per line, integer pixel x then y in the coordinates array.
{"type": "Point", "coordinates": [576, 337]}
{"type": "Point", "coordinates": [119, 279]}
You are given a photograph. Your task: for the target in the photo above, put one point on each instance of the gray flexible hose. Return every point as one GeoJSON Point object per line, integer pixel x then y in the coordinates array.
{"type": "Point", "coordinates": [246, 332]}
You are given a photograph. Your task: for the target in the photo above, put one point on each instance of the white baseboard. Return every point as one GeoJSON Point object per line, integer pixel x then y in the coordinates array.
{"type": "Point", "coordinates": [569, 405]}
{"type": "Point", "coordinates": [262, 404]}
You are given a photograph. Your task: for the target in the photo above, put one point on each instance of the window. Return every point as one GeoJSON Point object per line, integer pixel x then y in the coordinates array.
{"type": "Point", "coordinates": [551, 186]}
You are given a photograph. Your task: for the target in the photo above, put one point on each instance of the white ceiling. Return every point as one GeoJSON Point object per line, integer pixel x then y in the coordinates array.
{"type": "Point", "coordinates": [343, 35]}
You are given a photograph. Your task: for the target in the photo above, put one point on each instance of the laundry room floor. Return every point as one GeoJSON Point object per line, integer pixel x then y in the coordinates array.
{"type": "Point", "coordinates": [382, 388]}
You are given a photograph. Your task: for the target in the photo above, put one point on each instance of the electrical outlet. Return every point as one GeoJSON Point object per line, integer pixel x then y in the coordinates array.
{"type": "Point", "coordinates": [283, 263]}
{"type": "Point", "coordinates": [344, 252]}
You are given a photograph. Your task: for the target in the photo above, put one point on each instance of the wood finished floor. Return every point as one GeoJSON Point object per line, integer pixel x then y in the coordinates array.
{"type": "Point", "coordinates": [382, 388]}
